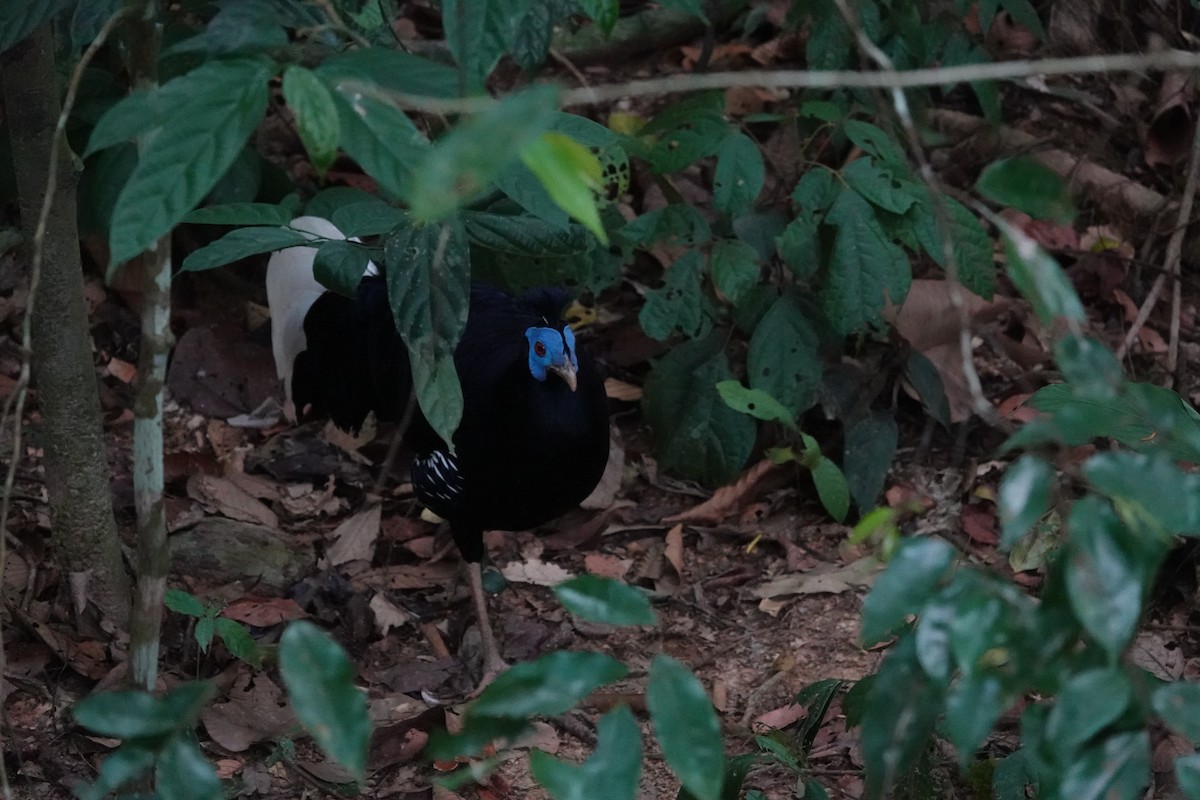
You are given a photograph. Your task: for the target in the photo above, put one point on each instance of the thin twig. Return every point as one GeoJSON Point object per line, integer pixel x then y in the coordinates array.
{"type": "Point", "coordinates": [1164, 60]}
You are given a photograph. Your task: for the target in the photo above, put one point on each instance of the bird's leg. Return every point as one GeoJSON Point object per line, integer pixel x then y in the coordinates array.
{"type": "Point", "coordinates": [493, 664]}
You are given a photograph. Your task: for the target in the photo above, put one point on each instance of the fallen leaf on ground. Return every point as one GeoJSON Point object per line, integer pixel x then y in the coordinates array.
{"type": "Point", "coordinates": [263, 612]}
{"type": "Point", "coordinates": [354, 539]}
{"type": "Point", "coordinates": [673, 551]}
{"type": "Point", "coordinates": [388, 615]}
{"type": "Point", "coordinates": [255, 711]}
{"type": "Point", "coordinates": [727, 499]}
{"type": "Point", "coordinates": [824, 579]}
{"type": "Point", "coordinates": [230, 500]}
{"type": "Point", "coordinates": [620, 390]}
{"type": "Point", "coordinates": [778, 718]}
{"type": "Point", "coordinates": [607, 566]}
{"type": "Point", "coordinates": [536, 572]}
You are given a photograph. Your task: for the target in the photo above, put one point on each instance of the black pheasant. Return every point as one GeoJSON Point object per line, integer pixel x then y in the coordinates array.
{"type": "Point", "coordinates": [533, 440]}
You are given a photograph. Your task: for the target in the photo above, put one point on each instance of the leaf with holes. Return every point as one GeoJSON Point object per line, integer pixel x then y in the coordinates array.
{"type": "Point", "coordinates": [739, 175]}
{"type": "Point", "coordinates": [678, 305]}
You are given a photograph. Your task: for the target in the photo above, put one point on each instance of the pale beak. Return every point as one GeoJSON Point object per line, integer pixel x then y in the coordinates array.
{"type": "Point", "coordinates": [566, 371]}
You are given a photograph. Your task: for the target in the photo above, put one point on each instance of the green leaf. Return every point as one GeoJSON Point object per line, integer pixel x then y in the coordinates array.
{"type": "Point", "coordinates": [135, 714]}
{"type": "Point", "coordinates": [548, 686]}
{"type": "Point", "coordinates": [611, 772]}
{"type": "Point", "coordinates": [465, 161]}
{"type": "Point", "coordinates": [970, 244]}
{"type": "Point", "coordinates": [926, 379]}
{"type": "Point", "coordinates": [1011, 776]}
{"type": "Point", "coordinates": [476, 33]}
{"type": "Point", "coordinates": [1116, 769]}
{"type": "Point", "coordinates": [832, 488]}
{"type": "Point", "coordinates": [603, 12]}
{"type": "Point", "coordinates": [697, 435]}
{"type": "Point", "coordinates": [739, 175]}
{"type": "Point", "coordinates": [783, 359]}
{"type": "Point", "coordinates": [872, 139]}
{"type": "Point", "coordinates": [973, 705]}
{"type": "Point", "coordinates": [530, 33]}
{"type": "Point", "coordinates": [184, 773]}
{"type": "Point", "coordinates": [830, 41]}
{"type": "Point", "coordinates": [686, 726]}
{"type": "Point", "coordinates": [902, 706]}
{"type": "Point", "coordinates": [327, 202]}
{"type": "Point", "coordinates": [1024, 497]}
{"type": "Point", "coordinates": [183, 603]}
{"type": "Point", "coordinates": [816, 190]}
{"type": "Point", "coordinates": [522, 236]}
{"type": "Point", "coordinates": [369, 218]}
{"type": "Point", "coordinates": [19, 19]}
{"type": "Point", "coordinates": [245, 28]}
{"type": "Point", "coordinates": [239, 244]}
{"type": "Point", "coordinates": [870, 444]}
{"type": "Point", "coordinates": [1089, 366]}
{"type": "Point", "coordinates": [1087, 703]}
{"type": "Point", "coordinates": [239, 642]}
{"type": "Point", "coordinates": [527, 190]}
{"type": "Point", "coordinates": [687, 141]}
{"type": "Point", "coordinates": [570, 174]}
{"type": "Point", "coordinates": [1025, 14]}
{"type": "Point", "coordinates": [605, 600]}
{"type": "Point", "coordinates": [339, 265]}
{"type": "Point", "coordinates": [800, 245]}
{"type": "Point", "coordinates": [865, 269]}
{"type": "Point", "coordinates": [676, 224]}
{"type": "Point", "coordinates": [316, 115]}
{"type": "Point", "coordinates": [879, 186]}
{"type": "Point", "coordinates": [1187, 772]}
{"type": "Point", "coordinates": [1178, 704]}
{"type": "Point", "coordinates": [241, 214]}
{"type": "Point", "coordinates": [429, 284]}
{"type": "Point", "coordinates": [1104, 586]}
{"type": "Point", "coordinates": [755, 402]}
{"type": "Point", "coordinates": [910, 580]}
{"type": "Point", "coordinates": [678, 305]}
{"type": "Point", "coordinates": [1039, 277]}
{"type": "Point", "coordinates": [1027, 185]}
{"type": "Point", "coordinates": [1149, 487]}
{"type": "Point", "coordinates": [125, 764]}
{"type": "Point", "coordinates": [206, 628]}
{"type": "Point", "coordinates": [390, 68]}
{"type": "Point", "coordinates": [191, 151]}
{"type": "Point", "coordinates": [320, 684]}
{"type": "Point", "coordinates": [735, 269]}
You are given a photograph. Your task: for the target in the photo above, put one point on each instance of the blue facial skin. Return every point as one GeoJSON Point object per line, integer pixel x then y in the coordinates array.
{"type": "Point", "coordinates": [556, 350]}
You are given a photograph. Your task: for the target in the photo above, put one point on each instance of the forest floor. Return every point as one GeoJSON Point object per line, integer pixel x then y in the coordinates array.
{"type": "Point", "coordinates": [756, 589]}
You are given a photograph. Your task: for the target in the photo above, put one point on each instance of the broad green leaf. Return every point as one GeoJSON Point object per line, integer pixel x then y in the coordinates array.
{"type": "Point", "coordinates": [605, 600]}
{"type": "Point", "coordinates": [932, 635]}
{"type": "Point", "coordinates": [184, 772]}
{"type": "Point", "coordinates": [872, 139]}
{"type": "Point", "coordinates": [241, 183]}
{"type": "Point", "coordinates": [524, 188]}
{"type": "Point", "coordinates": [1024, 497]}
{"type": "Point", "coordinates": [320, 683]}
{"type": "Point", "coordinates": [865, 269]}
{"type": "Point", "coordinates": [1025, 14]}
{"type": "Point", "coordinates": [880, 186]}
{"type": "Point", "coordinates": [19, 19]}
{"type": "Point", "coordinates": [686, 727]}
{"type": "Point", "coordinates": [970, 244]}
{"type": "Point", "coordinates": [390, 68]}
{"type": "Point", "coordinates": [816, 190]}
{"type": "Point", "coordinates": [1150, 488]}
{"type": "Point", "coordinates": [910, 580]}
{"type": "Point", "coordinates": [466, 160]}
{"type": "Point", "coordinates": [693, 138]}
{"type": "Point", "coordinates": [239, 642]}
{"type": "Point", "coordinates": [759, 228]}
{"type": "Point", "coordinates": [570, 174]}
{"type": "Point", "coordinates": [800, 245]}
{"type": "Point", "coordinates": [830, 41]}
{"type": "Point", "coordinates": [611, 772]}
{"type": "Point", "coordinates": [973, 705]}
{"type": "Point", "coordinates": [179, 165]}
{"type": "Point", "coordinates": [241, 214]}
{"type": "Point", "coordinates": [530, 33]}
{"type": "Point", "coordinates": [476, 33]}
{"type": "Point", "coordinates": [206, 628]}
{"type": "Point", "coordinates": [125, 764]}
{"type": "Point", "coordinates": [524, 237]}
{"type": "Point", "coordinates": [735, 268]}
{"type": "Point", "coordinates": [707, 104]}
{"type": "Point", "coordinates": [698, 436]}
{"type": "Point", "coordinates": [370, 218]}
{"type": "Point", "coordinates": [240, 243]}
{"type": "Point", "coordinates": [1187, 772]}
{"type": "Point", "coordinates": [477, 733]}
{"type": "Point", "coordinates": [1178, 704]}
{"type": "Point", "coordinates": [832, 488]}
{"type": "Point", "coordinates": [783, 359]}
{"type": "Point", "coordinates": [1012, 776]}
{"type": "Point", "coordinates": [316, 115]}
{"type": "Point", "coordinates": [755, 402]}
{"type": "Point", "coordinates": [603, 12]}
{"type": "Point", "coordinates": [429, 281]}
{"type": "Point", "coordinates": [133, 714]}
{"type": "Point", "coordinates": [678, 306]}
{"type": "Point", "coordinates": [183, 603]}
{"type": "Point", "coordinates": [677, 224]}
{"type": "Point", "coordinates": [1089, 366]}
{"type": "Point", "coordinates": [925, 378]}
{"type": "Point", "coordinates": [547, 686]}
{"type": "Point", "coordinates": [339, 265]}
{"type": "Point", "coordinates": [817, 698]}
{"type": "Point", "coordinates": [327, 202]}
{"type": "Point", "coordinates": [867, 456]}
{"type": "Point", "coordinates": [1104, 585]}
{"type": "Point", "coordinates": [1116, 769]}
{"type": "Point", "coordinates": [693, 7]}
{"type": "Point", "coordinates": [87, 19]}
{"type": "Point", "coordinates": [1087, 703]}
{"type": "Point", "coordinates": [739, 175]}
{"type": "Point", "coordinates": [1039, 277]}
{"type": "Point", "coordinates": [139, 112]}
{"type": "Point", "coordinates": [901, 707]}
{"type": "Point", "coordinates": [1027, 185]}
{"type": "Point", "coordinates": [238, 28]}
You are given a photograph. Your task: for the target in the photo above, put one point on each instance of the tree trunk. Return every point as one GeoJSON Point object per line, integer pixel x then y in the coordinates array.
{"type": "Point", "coordinates": [83, 527]}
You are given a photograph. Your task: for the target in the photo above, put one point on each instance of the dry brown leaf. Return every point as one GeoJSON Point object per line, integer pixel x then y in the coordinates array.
{"type": "Point", "coordinates": [230, 500]}
{"type": "Point", "coordinates": [607, 566]}
{"type": "Point", "coordinates": [263, 612]}
{"type": "Point", "coordinates": [536, 572]}
{"type": "Point", "coordinates": [408, 576]}
{"type": "Point", "coordinates": [354, 539]}
{"type": "Point", "coordinates": [388, 615]}
{"type": "Point", "coordinates": [1169, 134]}
{"type": "Point", "coordinates": [122, 370]}
{"type": "Point", "coordinates": [606, 490]}
{"type": "Point", "coordinates": [673, 551]}
{"type": "Point", "coordinates": [620, 390]}
{"type": "Point", "coordinates": [228, 767]}
{"type": "Point", "coordinates": [779, 718]}
{"type": "Point", "coordinates": [1151, 340]}
{"type": "Point", "coordinates": [824, 579]}
{"type": "Point", "coordinates": [727, 499]}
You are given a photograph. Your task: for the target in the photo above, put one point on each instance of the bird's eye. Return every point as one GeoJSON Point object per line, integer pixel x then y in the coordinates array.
{"type": "Point", "coordinates": [539, 349]}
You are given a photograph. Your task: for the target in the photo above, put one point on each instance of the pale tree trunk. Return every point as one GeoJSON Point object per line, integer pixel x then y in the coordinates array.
{"type": "Point", "coordinates": [81, 516]}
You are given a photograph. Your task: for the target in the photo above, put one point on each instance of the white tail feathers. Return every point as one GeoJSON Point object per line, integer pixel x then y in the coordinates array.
{"type": "Point", "coordinates": [291, 292]}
